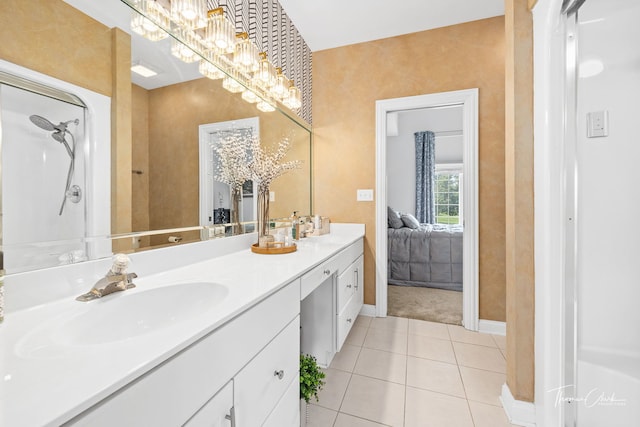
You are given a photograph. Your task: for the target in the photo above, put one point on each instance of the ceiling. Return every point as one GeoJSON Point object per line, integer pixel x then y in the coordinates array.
{"type": "Point", "coordinates": [332, 23]}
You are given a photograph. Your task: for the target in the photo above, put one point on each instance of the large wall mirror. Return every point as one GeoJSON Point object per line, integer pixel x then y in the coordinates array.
{"type": "Point", "coordinates": [154, 137]}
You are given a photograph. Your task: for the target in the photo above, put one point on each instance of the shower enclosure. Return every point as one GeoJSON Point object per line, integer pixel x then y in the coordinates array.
{"type": "Point", "coordinates": [602, 155]}
{"type": "Point", "coordinates": [55, 174]}
{"type": "Point", "coordinates": [41, 227]}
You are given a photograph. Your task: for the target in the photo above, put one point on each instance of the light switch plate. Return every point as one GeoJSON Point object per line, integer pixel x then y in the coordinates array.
{"type": "Point", "coordinates": [272, 196]}
{"type": "Point", "coordinates": [364, 195]}
{"type": "Point", "coordinates": [597, 124]}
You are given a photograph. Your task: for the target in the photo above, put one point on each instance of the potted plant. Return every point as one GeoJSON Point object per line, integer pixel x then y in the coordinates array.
{"type": "Point", "coordinates": [311, 382]}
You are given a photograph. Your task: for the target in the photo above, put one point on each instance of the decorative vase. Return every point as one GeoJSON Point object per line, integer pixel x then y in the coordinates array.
{"type": "Point", "coordinates": [263, 219]}
{"type": "Point", "coordinates": [236, 196]}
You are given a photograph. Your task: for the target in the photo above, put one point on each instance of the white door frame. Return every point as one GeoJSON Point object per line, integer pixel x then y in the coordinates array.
{"type": "Point", "coordinates": [469, 100]}
{"type": "Point", "coordinates": [205, 156]}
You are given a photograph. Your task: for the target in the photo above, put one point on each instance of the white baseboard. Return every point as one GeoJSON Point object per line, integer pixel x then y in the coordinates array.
{"type": "Point", "coordinates": [492, 327]}
{"type": "Point", "coordinates": [519, 412]}
{"type": "Point", "coordinates": [368, 310]}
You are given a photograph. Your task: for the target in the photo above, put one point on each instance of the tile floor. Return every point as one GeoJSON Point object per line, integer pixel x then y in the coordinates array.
{"type": "Point", "coordinates": [408, 373]}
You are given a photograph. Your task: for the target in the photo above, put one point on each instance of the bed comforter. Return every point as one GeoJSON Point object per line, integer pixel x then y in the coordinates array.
{"type": "Point", "coordinates": [429, 256]}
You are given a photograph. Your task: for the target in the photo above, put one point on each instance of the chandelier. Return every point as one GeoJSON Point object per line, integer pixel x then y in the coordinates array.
{"type": "Point", "coordinates": [209, 38]}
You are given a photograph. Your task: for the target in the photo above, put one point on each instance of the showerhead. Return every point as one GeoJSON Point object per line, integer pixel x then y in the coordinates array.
{"type": "Point", "coordinates": [45, 124]}
{"type": "Point", "coordinates": [42, 123]}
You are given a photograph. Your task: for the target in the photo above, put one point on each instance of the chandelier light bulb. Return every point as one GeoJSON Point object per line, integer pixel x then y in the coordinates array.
{"type": "Point", "coordinates": [190, 14]}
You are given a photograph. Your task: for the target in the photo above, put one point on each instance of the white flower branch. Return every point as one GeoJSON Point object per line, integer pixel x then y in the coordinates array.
{"type": "Point", "coordinates": [266, 166]}
{"type": "Point", "coordinates": [233, 159]}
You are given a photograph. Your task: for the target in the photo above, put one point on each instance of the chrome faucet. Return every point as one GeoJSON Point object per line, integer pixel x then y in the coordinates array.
{"type": "Point", "coordinates": [117, 279]}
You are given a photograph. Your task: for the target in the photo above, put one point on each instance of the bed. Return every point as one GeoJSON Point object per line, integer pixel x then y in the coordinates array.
{"type": "Point", "coordinates": [429, 255]}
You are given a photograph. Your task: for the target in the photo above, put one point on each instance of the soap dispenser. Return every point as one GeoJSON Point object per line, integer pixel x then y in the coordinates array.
{"type": "Point", "coordinates": [295, 226]}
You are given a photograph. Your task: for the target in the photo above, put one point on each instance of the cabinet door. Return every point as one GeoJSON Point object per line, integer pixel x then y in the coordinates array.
{"type": "Point", "coordinates": [287, 413]}
{"type": "Point", "coordinates": [260, 385]}
{"type": "Point", "coordinates": [217, 412]}
{"type": "Point", "coordinates": [358, 280]}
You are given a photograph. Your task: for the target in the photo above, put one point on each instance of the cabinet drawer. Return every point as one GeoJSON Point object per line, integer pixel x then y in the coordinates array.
{"type": "Point", "coordinates": [349, 255]}
{"type": "Point", "coordinates": [261, 384]}
{"type": "Point", "coordinates": [215, 412]}
{"type": "Point", "coordinates": [346, 319]}
{"type": "Point", "coordinates": [287, 413]}
{"type": "Point", "coordinates": [312, 279]}
{"type": "Point", "coordinates": [346, 287]}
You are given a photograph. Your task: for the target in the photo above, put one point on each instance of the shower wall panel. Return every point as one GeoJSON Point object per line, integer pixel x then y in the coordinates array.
{"type": "Point", "coordinates": [608, 254]}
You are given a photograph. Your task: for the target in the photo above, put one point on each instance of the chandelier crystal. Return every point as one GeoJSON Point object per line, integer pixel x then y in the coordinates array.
{"type": "Point", "coordinates": [281, 87]}
{"type": "Point", "coordinates": [189, 14]}
{"type": "Point", "coordinates": [232, 85]}
{"type": "Point", "coordinates": [220, 34]}
{"type": "Point", "coordinates": [293, 99]}
{"type": "Point", "coordinates": [245, 56]}
{"type": "Point", "coordinates": [209, 70]}
{"type": "Point", "coordinates": [266, 74]}
{"type": "Point", "coordinates": [185, 50]}
{"type": "Point", "coordinates": [145, 25]}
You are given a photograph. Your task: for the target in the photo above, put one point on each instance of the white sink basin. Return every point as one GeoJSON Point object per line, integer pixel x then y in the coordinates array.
{"type": "Point", "coordinates": [121, 316]}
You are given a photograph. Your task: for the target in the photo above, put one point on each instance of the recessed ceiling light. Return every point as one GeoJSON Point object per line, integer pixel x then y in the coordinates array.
{"type": "Point", "coordinates": [143, 69]}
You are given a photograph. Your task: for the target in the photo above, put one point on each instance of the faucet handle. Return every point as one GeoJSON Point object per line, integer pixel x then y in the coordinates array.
{"type": "Point", "coordinates": [120, 264]}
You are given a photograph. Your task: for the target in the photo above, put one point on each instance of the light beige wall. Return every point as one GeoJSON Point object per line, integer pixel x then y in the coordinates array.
{"type": "Point", "coordinates": [121, 217]}
{"type": "Point", "coordinates": [346, 83]}
{"type": "Point", "coordinates": [519, 199]}
{"type": "Point", "coordinates": [140, 161]}
{"type": "Point", "coordinates": [53, 38]}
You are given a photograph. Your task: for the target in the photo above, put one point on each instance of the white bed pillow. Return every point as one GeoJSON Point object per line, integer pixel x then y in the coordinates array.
{"type": "Point", "coordinates": [410, 221]}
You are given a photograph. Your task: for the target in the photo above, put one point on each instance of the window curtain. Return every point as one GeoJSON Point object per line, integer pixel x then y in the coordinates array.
{"type": "Point", "coordinates": [425, 176]}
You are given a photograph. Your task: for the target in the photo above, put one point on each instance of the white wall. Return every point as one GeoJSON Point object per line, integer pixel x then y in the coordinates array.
{"type": "Point", "coordinates": [401, 150]}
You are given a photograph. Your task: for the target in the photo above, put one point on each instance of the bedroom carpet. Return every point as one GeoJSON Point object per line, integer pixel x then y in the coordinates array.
{"type": "Point", "coordinates": [434, 305]}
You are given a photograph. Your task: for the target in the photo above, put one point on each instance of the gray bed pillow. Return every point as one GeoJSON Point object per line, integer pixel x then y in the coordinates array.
{"type": "Point", "coordinates": [410, 221]}
{"type": "Point", "coordinates": [393, 218]}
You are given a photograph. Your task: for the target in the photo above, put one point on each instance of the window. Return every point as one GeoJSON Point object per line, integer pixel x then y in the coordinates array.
{"type": "Point", "coordinates": [448, 194]}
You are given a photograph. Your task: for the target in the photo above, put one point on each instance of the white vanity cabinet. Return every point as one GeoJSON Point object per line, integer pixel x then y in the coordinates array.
{"type": "Point", "coordinates": [332, 295]}
{"type": "Point", "coordinates": [255, 355]}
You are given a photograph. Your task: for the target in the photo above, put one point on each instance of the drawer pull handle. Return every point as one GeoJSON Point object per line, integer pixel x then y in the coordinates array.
{"type": "Point", "coordinates": [231, 417]}
{"type": "Point", "coordinates": [349, 320]}
{"type": "Point", "coordinates": [349, 286]}
{"type": "Point", "coordinates": [279, 374]}
{"type": "Point", "coordinates": [327, 272]}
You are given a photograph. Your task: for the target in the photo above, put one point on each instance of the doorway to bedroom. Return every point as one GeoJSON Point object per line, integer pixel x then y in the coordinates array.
{"type": "Point", "coordinates": [426, 209]}
{"type": "Point", "coordinates": [425, 213]}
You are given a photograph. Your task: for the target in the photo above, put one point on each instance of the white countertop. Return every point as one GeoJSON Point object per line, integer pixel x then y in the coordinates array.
{"type": "Point", "coordinates": [51, 386]}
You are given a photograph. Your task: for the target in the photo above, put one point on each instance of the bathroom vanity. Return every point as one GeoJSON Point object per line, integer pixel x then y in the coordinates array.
{"type": "Point", "coordinates": [211, 335]}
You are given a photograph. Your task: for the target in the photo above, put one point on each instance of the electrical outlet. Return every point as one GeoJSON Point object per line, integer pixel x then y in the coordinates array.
{"type": "Point", "coordinates": [272, 196]}
{"type": "Point", "coordinates": [364, 195]}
